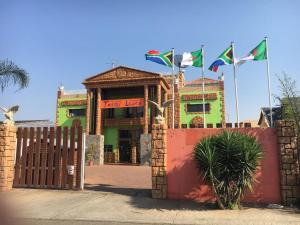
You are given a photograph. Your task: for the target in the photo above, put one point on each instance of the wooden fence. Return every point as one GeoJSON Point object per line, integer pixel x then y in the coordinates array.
{"type": "Point", "coordinates": [49, 158]}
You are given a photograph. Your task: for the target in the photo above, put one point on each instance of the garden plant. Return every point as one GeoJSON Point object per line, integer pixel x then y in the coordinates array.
{"type": "Point", "coordinates": [228, 162]}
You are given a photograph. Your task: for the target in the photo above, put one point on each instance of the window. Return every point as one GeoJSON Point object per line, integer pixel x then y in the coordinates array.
{"type": "Point", "coordinates": [197, 108]}
{"type": "Point", "coordinates": [110, 113]}
{"type": "Point", "coordinates": [108, 148]}
{"type": "Point", "coordinates": [126, 134]}
{"type": "Point", "coordinates": [134, 112]}
{"type": "Point", "coordinates": [76, 112]}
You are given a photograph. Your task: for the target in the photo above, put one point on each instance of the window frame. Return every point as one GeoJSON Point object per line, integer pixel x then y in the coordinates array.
{"type": "Point", "coordinates": [207, 108]}
{"type": "Point", "coordinates": [70, 116]}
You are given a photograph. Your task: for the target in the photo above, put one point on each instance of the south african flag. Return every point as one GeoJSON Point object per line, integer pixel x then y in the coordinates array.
{"type": "Point", "coordinates": [224, 59]}
{"type": "Point", "coordinates": [165, 59]}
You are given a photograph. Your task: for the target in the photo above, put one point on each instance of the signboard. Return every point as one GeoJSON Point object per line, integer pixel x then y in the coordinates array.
{"type": "Point", "coordinates": [122, 103]}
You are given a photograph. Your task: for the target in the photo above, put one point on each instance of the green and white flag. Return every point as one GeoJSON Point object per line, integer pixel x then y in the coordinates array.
{"type": "Point", "coordinates": [258, 53]}
{"type": "Point", "coordinates": [192, 59]}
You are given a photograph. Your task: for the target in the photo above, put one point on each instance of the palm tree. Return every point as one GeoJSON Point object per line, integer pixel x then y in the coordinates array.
{"type": "Point", "coordinates": [11, 73]}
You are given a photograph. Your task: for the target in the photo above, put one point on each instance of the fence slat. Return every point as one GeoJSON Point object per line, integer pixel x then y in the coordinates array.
{"type": "Point", "coordinates": [64, 158]}
{"type": "Point", "coordinates": [18, 159]}
{"type": "Point", "coordinates": [79, 157]}
{"type": "Point", "coordinates": [30, 158]}
{"type": "Point", "coordinates": [71, 157]}
{"type": "Point", "coordinates": [44, 156]}
{"type": "Point", "coordinates": [50, 158]}
{"type": "Point", "coordinates": [24, 157]}
{"type": "Point", "coordinates": [37, 150]}
{"type": "Point", "coordinates": [42, 161]}
{"type": "Point", "coordinates": [57, 158]}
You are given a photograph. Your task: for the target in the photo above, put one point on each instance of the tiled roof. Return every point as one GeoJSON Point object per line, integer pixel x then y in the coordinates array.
{"type": "Point", "coordinates": [34, 123]}
{"type": "Point", "coordinates": [199, 81]}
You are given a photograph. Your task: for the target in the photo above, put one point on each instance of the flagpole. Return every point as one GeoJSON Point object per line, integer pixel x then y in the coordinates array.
{"type": "Point", "coordinates": [173, 95]}
{"type": "Point", "coordinates": [269, 82]}
{"type": "Point", "coordinates": [203, 97]}
{"type": "Point", "coordinates": [235, 87]}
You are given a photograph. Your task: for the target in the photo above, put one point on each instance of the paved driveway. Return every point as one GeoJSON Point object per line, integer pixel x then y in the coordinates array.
{"type": "Point", "coordinates": [59, 207]}
{"type": "Point", "coordinates": [118, 178]}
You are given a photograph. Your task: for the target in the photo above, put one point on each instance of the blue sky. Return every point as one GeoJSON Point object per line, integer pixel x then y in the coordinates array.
{"type": "Point", "coordinates": [66, 41]}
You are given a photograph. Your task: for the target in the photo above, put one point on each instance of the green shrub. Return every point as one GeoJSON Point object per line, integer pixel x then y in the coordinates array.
{"type": "Point", "coordinates": [228, 163]}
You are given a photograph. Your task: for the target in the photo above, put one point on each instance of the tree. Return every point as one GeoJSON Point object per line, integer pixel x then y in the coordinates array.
{"type": "Point", "coordinates": [228, 163]}
{"type": "Point", "coordinates": [290, 102]}
{"type": "Point", "coordinates": [11, 73]}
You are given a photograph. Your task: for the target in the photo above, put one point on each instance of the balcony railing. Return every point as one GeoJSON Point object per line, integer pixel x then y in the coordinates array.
{"type": "Point", "coordinates": [123, 121]}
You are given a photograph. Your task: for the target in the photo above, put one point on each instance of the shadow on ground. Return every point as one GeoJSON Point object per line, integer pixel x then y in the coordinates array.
{"type": "Point", "coordinates": [141, 198]}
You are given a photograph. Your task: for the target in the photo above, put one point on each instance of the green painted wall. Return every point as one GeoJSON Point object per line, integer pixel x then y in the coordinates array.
{"type": "Point", "coordinates": [111, 135]}
{"type": "Point", "coordinates": [215, 114]}
{"type": "Point", "coordinates": [64, 119]}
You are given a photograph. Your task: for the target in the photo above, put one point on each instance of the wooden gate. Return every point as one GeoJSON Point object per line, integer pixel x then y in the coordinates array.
{"type": "Point", "coordinates": [49, 158]}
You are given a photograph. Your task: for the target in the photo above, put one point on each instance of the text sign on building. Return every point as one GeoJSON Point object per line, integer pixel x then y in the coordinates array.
{"type": "Point", "coordinates": [122, 103]}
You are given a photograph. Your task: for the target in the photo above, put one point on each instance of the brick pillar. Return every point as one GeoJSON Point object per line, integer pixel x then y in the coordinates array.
{"type": "Point", "coordinates": [158, 94]}
{"type": "Point", "coordinates": [98, 111]}
{"type": "Point", "coordinates": [146, 109]}
{"type": "Point", "coordinates": [60, 94]}
{"type": "Point", "coordinates": [221, 85]}
{"type": "Point", "coordinates": [88, 111]}
{"type": "Point", "coordinates": [289, 162]}
{"type": "Point", "coordinates": [7, 154]}
{"type": "Point", "coordinates": [166, 109]}
{"type": "Point", "coordinates": [133, 147]}
{"type": "Point", "coordinates": [159, 161]}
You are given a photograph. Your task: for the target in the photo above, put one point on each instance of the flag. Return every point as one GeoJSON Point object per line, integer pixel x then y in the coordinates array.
{"type": "Point", "coordinates": [224, 59]}
{"type": "Point", "coordinates": [161, 58]}
{"type": "Point", "coordinates": [190, 59]}
{"type": "Point", "coordinates": [258, 53]}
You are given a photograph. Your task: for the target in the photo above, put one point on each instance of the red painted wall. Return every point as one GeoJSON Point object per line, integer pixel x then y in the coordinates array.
{"type": "Point", "coordinates": [184, 181]}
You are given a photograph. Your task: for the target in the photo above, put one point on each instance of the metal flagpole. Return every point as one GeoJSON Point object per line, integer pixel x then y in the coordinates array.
{"type": "Point", "coordinates": [235, 86]}
{"type": "Point", "coordinates": [173, 95]}
{"type": "Point", "coordinates": [269, 82]}
{"type": "Point", "coordinates": [203, 97]}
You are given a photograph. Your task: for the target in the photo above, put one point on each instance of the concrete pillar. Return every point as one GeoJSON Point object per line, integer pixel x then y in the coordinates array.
{"type": "Point", "coordinates": [7, 154]}
{"type": "Point", "coordinates": [146, 109]}
{"type": "Point", "coordinates": [98, 115]}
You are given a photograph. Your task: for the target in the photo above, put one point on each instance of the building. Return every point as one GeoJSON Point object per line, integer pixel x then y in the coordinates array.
{"type": "Point", "coordinates": [34, 123]}
{"type": "Point", "coordinates": [115, 104]}
{"type": "Point", "coordinates": [265, 116]}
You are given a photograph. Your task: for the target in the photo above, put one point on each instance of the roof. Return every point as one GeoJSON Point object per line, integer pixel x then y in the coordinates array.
{"type": "Point", "coordinates": [123, 73]}
{"type": "Point", "coordinates": [34, 123]}
{"type": "Point", "coordinates": [75, 92]}
{"type": "Point", "coordinates": [193, 85]}
{"type": "Point", "coordinates": [198, 81]}
{"type": "Point", "coordinates": [265, 112]}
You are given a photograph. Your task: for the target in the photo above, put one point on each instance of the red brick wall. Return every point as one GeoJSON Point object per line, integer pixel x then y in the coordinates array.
{"type": "Point", "coordinates": [184, 182]}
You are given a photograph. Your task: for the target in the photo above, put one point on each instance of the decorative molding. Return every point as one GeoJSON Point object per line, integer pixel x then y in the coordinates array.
{"type": "Point", "coordinates": [211, 96]}
{"type": "Point", "coordinates": [197, 120]}
{"type": "Point", "coordinates": [73, 103]}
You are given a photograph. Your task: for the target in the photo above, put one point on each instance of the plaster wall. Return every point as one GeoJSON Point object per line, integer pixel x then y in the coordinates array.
{"type": "Point", "coordinates": [184, 180]}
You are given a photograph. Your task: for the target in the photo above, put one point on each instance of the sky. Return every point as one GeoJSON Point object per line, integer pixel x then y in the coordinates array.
{"type": "Point", "coordinates": [66, 41]}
